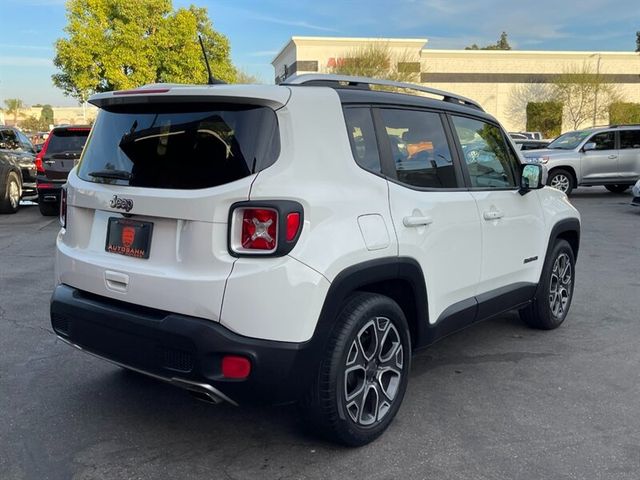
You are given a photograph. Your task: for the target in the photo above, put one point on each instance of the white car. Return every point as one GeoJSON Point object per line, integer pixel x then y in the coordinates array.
{"type": "Point", "coordinates": [297, 243]}
{"type": "Point", "coordinates": [635, 191]}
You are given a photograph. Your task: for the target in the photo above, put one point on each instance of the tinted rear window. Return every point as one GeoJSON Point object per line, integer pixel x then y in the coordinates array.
{"type": "Point", "coordinates": [169, 147]}
{"type": "Point", "coordinates": [67, 141]}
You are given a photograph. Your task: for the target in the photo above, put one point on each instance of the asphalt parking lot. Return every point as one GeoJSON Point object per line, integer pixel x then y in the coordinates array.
{"type": "Point", "coordinates": [497, 401]}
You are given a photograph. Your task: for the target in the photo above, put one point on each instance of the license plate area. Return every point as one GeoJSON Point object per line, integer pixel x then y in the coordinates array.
{"type": "Point", "coordinates": [131, 238]}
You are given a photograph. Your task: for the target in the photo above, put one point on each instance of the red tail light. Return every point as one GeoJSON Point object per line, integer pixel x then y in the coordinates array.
{"type": "Point", "coordinates": [268, 228]}
{"type": "Point", "coordinates": [259, 229]}
{"type": "Point", "coordinates": [40, 155]}
{"type": "Point", "coordinates": [63, 208]}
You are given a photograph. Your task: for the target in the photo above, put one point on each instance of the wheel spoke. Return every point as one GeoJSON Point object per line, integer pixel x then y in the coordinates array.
{"type": "Point", "coordinates": [368, 340]}
{"type": "Point", "coordinates": [369, 405]}
{"type": "Point", "coordinates": [354, 382]}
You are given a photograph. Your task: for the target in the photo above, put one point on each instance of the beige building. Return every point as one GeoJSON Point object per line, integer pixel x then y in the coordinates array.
{"type": "Point", "coordinates": [503, 81]}
{"type": "Point", "coordinates": [61, 115]}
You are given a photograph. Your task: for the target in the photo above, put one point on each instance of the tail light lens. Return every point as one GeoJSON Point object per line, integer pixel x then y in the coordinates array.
{"type": "Point", "coordinates": [40, 155]}
{"type": "Point", "coordinates": [63, 208]}
{"type": "Point", "coordinates": [265, 228]}
{"type": "Point", "coordinates": [236, 367]}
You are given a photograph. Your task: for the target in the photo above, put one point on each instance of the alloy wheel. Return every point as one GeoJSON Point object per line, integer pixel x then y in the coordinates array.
{"type": "Point", "coordinates": [560, 285]}
{"type": "Point", "coordinates": [14, 194]}
{"type": "Point", "coordinates": [560, 182]}
{"type": "Point", "coordinates": [373, 371]}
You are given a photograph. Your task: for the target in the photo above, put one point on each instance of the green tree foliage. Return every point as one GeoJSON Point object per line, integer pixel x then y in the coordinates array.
{"type": "Point", "coordinates": [46, 117]}
{"type": "Point", "coordinates": [585, 95]}
{"type": "Point", "coordinates": [501, 44]}
{"type": "Point", "coordinates": [375, 60]}
{"type": "Point", "coordinates": [30, 124]}
{"type": "Point", "coordinates": [545, 117]}
{"type": "Point", "coordinates": [246, 78]}
{"type": "Point", "coordinates": [621, 113]}
{"type": "Point", "coordinates": [13, 107]}
{"type": "Point", "coordinates": [638, 41]}
{"type": "Point", "coordinates": [120, 44]}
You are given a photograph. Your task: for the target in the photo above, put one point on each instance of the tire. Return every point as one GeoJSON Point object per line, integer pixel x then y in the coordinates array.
{"type": "Point", "coordinates": [48, 209]}
{"type": "Point", "coordinates": [617, 188]}
{"type": "Point", "coordinates": [550, 306]}
{"type": "Point", "coordinates": [561, 180]}
{"type": "Point", "coordinates": [10, 201]}
{"type": "Point", "coordinates": [353, 400]}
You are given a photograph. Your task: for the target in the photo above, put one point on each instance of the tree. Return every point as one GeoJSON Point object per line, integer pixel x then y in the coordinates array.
{"type": "Point", "coordinates": [119, 44]}
{"type": "Point", "coordinates": [624, 113]}
{"type": "Point", "coordinates": [545, 117]}
{"type": "Point", "coordinates": [638, 41]}
{"type": "Point", "coordinates": [501, 44]}
{"type": "Point", "coordinates": [46, 117]}
{"type": "Point", "coordinates": [14, 105]}
{"type": "Point", "coordinates": [30, 124]}
{"type": "Point", "coordinates": [522, 95]}
{"type": "Point", "coordinates": [246, 78]}
{"type": "Point", "coordinates": [375, 60]}
{"type": "Point", "coordinates": [585, 95]}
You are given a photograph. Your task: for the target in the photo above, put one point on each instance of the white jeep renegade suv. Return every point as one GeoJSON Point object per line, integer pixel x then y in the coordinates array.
{"type": "Point", "coordinates": [298, 242]}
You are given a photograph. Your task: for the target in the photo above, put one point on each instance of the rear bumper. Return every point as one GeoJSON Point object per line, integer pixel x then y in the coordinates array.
{"type": "Point", "coordinates": [49, 192]}
{"type": "Point", "coordinates": [182, 350]}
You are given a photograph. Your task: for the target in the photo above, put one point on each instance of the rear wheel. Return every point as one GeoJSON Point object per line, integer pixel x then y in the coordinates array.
{"type": "Point", "coordinates": [561, 180]}
{"type": "Point", "coordinates": [363, 375]}
{"type": "Point", "coordinates": [10, 201]}
{"type": "Point", "coordinates": [48, 209]}
{"type": "Point", "coordinates": [617, 188]}
{"type": "Point", "coordinates": [555, 292]}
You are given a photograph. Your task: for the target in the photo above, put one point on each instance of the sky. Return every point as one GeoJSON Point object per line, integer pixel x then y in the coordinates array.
{"type": "Point", "coordinates": [258, 29]}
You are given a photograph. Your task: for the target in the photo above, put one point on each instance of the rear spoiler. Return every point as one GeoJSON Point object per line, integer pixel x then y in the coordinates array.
{"type": "Point", "coordinates": [264, 95]}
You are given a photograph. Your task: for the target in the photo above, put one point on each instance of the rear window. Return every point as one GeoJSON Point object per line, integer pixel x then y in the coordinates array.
{"type": "Point", "coordinates": [168, 147]}
{"type": "Point", "coordinates": [67, 141]}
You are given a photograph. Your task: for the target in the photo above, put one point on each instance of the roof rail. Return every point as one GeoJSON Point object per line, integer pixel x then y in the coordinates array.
{"type": "Point", "coordinates": [330, 80]}
{"type": "Point", "coordinates": [625, 125]}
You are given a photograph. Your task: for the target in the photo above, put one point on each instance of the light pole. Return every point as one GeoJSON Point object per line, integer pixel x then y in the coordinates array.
{"type": "Point", "coordinates": [597, 80]}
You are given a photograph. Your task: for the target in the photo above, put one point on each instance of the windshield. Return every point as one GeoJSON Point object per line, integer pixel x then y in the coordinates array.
{"type": "Point", "coordinates": [569, 141]}
{"type": "Point", "coordinates": [175, 147]}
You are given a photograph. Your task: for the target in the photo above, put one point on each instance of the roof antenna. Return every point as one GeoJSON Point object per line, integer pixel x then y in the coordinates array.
{"type": "Point", "coordinates": [211, 80]}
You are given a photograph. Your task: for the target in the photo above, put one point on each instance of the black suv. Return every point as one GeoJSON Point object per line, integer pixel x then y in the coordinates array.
{"type": "Point", "coordinates": [17, 168]}
{"type": "Point", "coordinates": [59, 154]}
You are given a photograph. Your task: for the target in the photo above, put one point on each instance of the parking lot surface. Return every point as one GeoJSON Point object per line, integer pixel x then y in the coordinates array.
{"type": "Point", "coordinates": [496, 401]}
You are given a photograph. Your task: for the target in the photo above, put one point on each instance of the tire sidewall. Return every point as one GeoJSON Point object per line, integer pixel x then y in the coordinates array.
{"type": "Point", "coordinates": [12, 177]}
{"type": "Point", "coordinates": [544, 309]}
{"type": "Point", "coordinates": [372, 306]}
{"type": "Point", "coordinates": [557, 172]}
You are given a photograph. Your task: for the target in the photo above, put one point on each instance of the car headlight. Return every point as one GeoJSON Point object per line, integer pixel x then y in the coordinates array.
{"type": "Point", "coordinates": [542, 160]}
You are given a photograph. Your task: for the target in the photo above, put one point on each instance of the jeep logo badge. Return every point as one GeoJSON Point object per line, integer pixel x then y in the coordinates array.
{"type": "Point", "coordinates": [125, 204]}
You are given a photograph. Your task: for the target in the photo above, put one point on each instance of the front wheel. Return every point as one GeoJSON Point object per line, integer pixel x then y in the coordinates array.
{"type": "Point", "coordinates": [617, 188]}
{"type": "Point", "coordinates": [364, 372]}
{"type": "Point", "coordinates": [561, 180]}
{"type": "Point", "coordinates": [10, 200]}
{"type": "Point", "coordinates": [555, 291]}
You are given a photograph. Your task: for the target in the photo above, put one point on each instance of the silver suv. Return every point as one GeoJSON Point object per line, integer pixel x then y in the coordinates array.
{"type": "Point", "coordinates": [608, 156]}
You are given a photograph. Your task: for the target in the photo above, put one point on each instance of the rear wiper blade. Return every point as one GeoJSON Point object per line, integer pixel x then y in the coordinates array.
{"type": "Point", "coordinates": [115, 174]}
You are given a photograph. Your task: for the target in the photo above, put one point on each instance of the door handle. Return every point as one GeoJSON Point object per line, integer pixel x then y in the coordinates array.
{"type": "Point", "coordinates": [613, 156]}
{"type": "Point", "coordinates": [415, 221]}
{"type": "Point", "coordinates": [493, 215]}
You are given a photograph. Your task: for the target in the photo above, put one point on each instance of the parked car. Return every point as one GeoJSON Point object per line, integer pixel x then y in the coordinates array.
{"type": "Point", "coordinates": [298, 242]}
{"type": "Point", "coordinates": [58, 156]}
{"type": "Point", "coordinates": [17, 168]}
{"type": "Point", "coordinates": [636, 194]}
{"type": "Point", "coordinates": [526, 135]}
{"type": "Point", "coordinates": [608, 156]}
{"type": "Point", "coordinates": [531, 144]}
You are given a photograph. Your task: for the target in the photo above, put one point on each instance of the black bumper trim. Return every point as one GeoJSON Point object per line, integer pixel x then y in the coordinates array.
{"type": "Point", "coordinates": [139, 338]}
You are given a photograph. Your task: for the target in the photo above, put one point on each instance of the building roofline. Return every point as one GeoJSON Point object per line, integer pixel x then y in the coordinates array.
{"type": "Point", "coordinates": [527, 52]}
{"type": "Point", "coordinates": [296, 38]}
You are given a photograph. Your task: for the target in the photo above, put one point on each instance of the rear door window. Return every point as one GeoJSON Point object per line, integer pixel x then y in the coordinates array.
{"type": "Point", "coordinates": [629, 139]}
{"type": "Point", "coordinates": [171, 147]}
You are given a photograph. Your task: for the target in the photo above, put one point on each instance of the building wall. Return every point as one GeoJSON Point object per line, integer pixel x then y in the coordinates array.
{"type": "Point", "coordinates": [494, 78]}
{"type": "Point", "coordinates": [61, 115]}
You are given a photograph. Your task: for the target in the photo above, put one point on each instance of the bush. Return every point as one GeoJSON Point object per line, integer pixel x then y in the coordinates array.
{"type": "Point", "coordinates": [621, 113]}
{"type": "Point", "coordinates": [545, 117]}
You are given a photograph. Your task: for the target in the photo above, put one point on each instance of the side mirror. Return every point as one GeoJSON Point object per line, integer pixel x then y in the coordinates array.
{"type": "Point", "coordinates": [534, 176]}
{"type": "Point", "coordinates": [589, 146]}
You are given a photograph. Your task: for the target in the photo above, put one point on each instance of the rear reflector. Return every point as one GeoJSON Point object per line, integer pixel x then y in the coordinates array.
{"type": "Point", "coordinates": [293, 225]}
{"type": "Point", "coordinates": [259, 229]}
{"type": "Point", "coordinates": [234, 366]}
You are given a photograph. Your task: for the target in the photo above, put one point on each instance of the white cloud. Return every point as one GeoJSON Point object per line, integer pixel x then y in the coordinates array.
{"type": "Point", "coordinates": [293, 23]}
